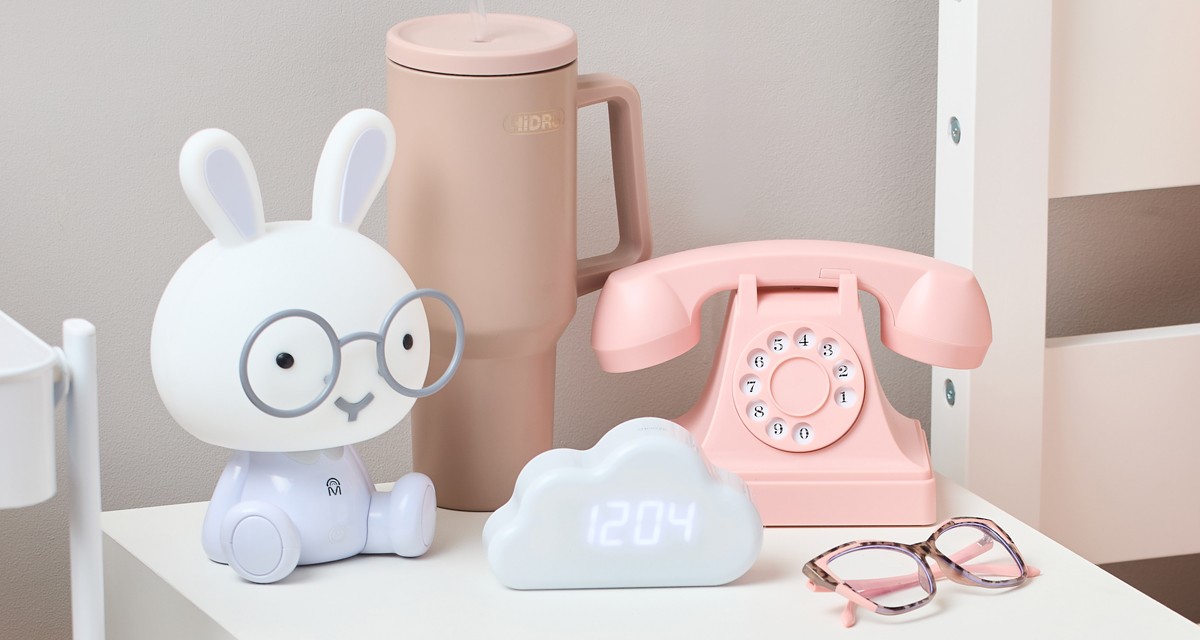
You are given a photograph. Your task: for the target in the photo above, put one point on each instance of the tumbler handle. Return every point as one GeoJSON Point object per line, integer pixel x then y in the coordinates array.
{"type": "Point", "coordinates": [629, 178]}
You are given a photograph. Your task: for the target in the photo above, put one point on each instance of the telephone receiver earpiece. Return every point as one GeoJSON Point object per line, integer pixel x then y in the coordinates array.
{"type": "Point", "coordinates": [930, 311]}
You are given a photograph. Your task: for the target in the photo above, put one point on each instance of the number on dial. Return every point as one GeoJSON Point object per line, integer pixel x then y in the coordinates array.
{"type": "Point", "coordinates": [758, 360]}
{"type": "Point", "coordinates": [829, 349]}
{"type": "Point", "coordinates": [758, 411]}
{"type": "Point", "coordinates": [778, 342]}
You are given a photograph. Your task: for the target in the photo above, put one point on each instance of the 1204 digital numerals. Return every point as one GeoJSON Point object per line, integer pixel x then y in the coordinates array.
{"type": "Point", "coordinates": [644, 523]}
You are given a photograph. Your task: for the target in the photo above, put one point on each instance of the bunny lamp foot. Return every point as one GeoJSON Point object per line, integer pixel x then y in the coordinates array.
{"type": "Point", "coordinates": [412, 515]}
{"type": "Point", "coordinates": [260, 541]}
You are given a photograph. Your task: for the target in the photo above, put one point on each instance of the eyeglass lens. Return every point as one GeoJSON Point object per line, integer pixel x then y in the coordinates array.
{"type": "Point", "coordinates": [887, 576]}
{"type": "Point", "coordinates": [979, 552]}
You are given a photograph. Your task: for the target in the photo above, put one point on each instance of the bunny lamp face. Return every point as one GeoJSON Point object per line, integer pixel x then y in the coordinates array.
{"type": "Point", "coordinates": [290, 336]}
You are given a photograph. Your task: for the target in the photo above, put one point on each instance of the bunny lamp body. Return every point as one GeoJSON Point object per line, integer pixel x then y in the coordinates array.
{"type": "Point", "coordinates": [289, 342]}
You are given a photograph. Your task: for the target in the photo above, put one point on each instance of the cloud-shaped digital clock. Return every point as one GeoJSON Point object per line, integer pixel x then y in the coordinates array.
{"type": "Point", "coordinates": [642, 508]}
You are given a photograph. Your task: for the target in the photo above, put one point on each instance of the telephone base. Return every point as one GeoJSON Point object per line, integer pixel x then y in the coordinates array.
{"type": "Point", "coordinates": [808, 502]}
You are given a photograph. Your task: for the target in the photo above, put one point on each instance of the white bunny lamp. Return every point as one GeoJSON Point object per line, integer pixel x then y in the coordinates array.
{"type": "Point", "coordinates": [34, 377]}
{"type": "Point", "coordinates": [288, 342]}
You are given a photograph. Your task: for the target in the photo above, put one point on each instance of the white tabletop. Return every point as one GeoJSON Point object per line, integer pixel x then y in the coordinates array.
{"type": "Point", "coordinates": [157, 574]}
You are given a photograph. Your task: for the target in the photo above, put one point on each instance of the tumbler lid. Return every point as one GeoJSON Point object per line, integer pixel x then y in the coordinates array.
{"type": "Point", "coordinates": [512, 45]}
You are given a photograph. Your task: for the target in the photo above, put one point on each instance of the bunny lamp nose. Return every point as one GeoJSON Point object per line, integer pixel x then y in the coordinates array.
{"type": "Point", "coordinates": [353, 408]}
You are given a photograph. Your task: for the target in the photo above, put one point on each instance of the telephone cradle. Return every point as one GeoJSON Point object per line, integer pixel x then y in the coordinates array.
{"type": "Point", "coordinates": [793, 404]}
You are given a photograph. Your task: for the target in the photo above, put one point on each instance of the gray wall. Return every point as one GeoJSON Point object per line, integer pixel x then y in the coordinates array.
{"type": "Point", "coordinates": [763, 119]}
{"type": "Point", "coordinates": [1123, 261]}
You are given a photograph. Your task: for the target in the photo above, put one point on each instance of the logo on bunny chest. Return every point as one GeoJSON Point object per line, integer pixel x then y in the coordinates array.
{"type": "Point", "coordinates": [333, 513]}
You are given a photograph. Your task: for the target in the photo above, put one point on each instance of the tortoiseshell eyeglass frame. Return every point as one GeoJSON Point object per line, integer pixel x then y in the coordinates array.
{"type": "Point", "coordinates": [817, 569]}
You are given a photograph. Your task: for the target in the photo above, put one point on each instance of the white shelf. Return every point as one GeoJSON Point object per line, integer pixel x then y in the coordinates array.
{"type": "Point", "coordinates": [160, 585]}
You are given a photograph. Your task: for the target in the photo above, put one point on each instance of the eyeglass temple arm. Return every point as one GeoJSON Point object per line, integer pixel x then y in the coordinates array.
{"type": "Point", "coordinates": [884, 586]}
{"type": "Point", "coordinates": [850, 613]}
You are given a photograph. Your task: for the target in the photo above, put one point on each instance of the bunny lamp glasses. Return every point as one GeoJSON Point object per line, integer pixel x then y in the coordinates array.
{"type": "Point", "coordinates": [286, 360]}
{"type": "Point", "coordinates": [891, 578]}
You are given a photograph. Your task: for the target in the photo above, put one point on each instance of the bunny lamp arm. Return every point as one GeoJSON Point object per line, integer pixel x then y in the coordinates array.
{"type": "Point", "coordinates": [930, 310]}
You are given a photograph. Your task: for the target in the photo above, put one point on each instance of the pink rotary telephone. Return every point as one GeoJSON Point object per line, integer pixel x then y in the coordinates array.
{"type": "Point", "coordinates": [793, 405]}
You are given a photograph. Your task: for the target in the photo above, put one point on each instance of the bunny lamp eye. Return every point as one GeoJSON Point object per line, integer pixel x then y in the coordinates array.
{"type": "Point", "coordinates": [406, 346]}
{"type": "Point", "coordinates": [289, 363]}
{"type": "Point", "coordinates": [403, 350]}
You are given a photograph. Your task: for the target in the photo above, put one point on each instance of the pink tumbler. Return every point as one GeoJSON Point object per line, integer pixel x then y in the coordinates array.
{"type": "Point", "coordinates": [481, 204]}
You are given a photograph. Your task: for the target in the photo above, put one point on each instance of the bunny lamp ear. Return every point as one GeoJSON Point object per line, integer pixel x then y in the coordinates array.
{"type": "Point", "coordinates": [353, 166]}
{"type": "Point", "coordinates": [220, 182]}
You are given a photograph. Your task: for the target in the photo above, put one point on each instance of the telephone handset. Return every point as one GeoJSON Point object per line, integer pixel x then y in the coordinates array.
{"type": "Point", "coordinates": [793, 404]}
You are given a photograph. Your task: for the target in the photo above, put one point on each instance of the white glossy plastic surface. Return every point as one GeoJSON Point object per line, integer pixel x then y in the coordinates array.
{"type": "Point", "coordinates": [228, 286]}
{"type": "Point", "coordinates": [34, 377]}
{"type": "Point", "coordinates": [83, 479]}
{"type": "Point", "coordinates": [274, 339]}
{"type": "Point", "coordinates": [273, 511]}
{"type": "Point", "coordinates": [27, 371]}
{"type": "Point", "coordinates": [259, 541]}
{"type": "Point", "coordinates": [642, 508]}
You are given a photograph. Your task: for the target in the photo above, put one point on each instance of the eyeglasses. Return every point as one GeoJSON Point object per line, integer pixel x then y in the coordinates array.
{"type": "Point", "coordinates": [320, 326]}
{"type": "Point", "coordinates": [891, 578]}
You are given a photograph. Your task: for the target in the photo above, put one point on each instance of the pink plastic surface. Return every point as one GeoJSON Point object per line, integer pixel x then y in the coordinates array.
{"type": "Point", "coordinates": [930, 310]}
{"type": "Point", "coordinates": [514, 45]}
{"type": "Point", "coordinates": [482, 205]}
{"type": "Point", "coordinates": [873, 471]}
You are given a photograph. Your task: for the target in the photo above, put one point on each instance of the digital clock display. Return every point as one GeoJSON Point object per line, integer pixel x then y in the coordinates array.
{"type": "Point", "coordinates": [629, 512]}
{"type": "Point", "coordinates": [644, 523]}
